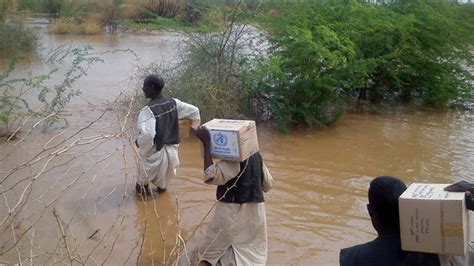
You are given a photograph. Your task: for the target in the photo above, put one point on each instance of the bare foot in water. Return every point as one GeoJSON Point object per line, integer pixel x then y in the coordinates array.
{"type": "Point", "coordinates": [160, 190]}
{"type": "Point", "coordinates": [143, 190]}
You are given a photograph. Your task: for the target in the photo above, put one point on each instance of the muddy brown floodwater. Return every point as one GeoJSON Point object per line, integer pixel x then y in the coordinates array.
{"type": "Point", "coordinates": [77, 204]}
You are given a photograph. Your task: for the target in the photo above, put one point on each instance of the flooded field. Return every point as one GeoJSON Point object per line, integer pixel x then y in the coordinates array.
{"type": "Point", "coordinates": [67, 195]}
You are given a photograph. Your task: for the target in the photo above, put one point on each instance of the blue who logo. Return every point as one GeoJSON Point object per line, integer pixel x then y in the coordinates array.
{"type": "Point", "coordinates": [220, 139]}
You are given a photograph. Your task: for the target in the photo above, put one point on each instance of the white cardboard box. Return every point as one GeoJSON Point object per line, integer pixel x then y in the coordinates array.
{"type": "Point", "coordinates": [433, 220]}
{"type": "Point", "coordinates": [234, 140]}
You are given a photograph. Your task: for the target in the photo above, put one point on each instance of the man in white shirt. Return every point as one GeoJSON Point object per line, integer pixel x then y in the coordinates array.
{"type": "Point", "coordinates": [158, 135]}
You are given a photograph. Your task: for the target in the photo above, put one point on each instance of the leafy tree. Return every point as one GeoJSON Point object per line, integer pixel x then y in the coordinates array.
{"type": "Point", "coordinates": [327, 52]}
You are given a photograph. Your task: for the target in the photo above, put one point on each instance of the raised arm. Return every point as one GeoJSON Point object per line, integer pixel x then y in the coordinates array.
{"type": "Point", "coordinates": [205, 137]}
{"type": "Point", "coordinates": [220, 172]}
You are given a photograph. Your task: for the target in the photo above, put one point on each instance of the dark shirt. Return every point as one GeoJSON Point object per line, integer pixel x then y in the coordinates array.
{"type": "Point", "coordinates": [386, 251]}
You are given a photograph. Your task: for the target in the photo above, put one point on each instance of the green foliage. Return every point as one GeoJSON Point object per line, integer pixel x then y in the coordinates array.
{"type": "Point", "coordinates": [13, 94]}
{"type": "Point", "coordinates": [204, 81]}
{"type": "Point", "coordinates": [9, 103]}
{"type": "Point", "coordinates": [328, 52]}
{"type": "Point", "coordinates": [440, 53]}
{"type": "Point", "coordinates": [209, 72]}
{"type": "Point", "coordinates": [196, 17]}
{"type": "Point", "coordinates": [31, 5]}
{"type": "Point", "coordinates": [149, 14]}
{"type": "Point", "coordinates": [16, 94]}
{"type": "Point", "coordinates": [4, 5]}
{"type": "Point", "coordinates": [56, 97]}
{"type": "Point", "coordinates": [15, 39]}
{"type": "Point", "coordinates": [51, 6]}
{"type": "Point", "coordinates": [160, 23]}
{"type": "Point", "coordinates": [163, 8]}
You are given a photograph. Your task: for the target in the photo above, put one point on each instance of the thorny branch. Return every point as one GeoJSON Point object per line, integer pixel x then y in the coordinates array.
{"type": "Point", "coordinates": [65, 183]}
{"type": "Point", "coordinates": [36, 186]}
{"type": "Point", "coordinates": [52, 163]}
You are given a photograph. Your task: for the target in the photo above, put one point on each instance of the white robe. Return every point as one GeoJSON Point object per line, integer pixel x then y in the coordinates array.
{"type": "Point", "coordinates": [240, 229]}
{"type": "Point", "coordinates": [159, 167]}
{"type": "Point", "coordinates": [468, 259]}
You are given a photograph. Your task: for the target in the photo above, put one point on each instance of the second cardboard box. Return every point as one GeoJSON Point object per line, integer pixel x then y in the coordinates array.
{"type": "Point", "coordinates": [433, 220]}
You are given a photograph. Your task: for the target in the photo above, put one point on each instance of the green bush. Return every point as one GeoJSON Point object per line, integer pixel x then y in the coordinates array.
{"type": "Point", "coordinates": [14, 91]}
{"type": "Point", "coordinates": [31, 5]}
{"type": "Point", "coordinates": [4, 6]}
{"type": "Point", "coordinates": [328, 52]}
{"type": "Point", "coordinates": [205, 79]}
{"type": "Point", "coordinates": [163, 8]}
{"type": "Point", "coordinates": [438, 61]}
{"type": "Point", "coordinates": [15, 39]}
{"type": "Point", "coordinates": [209, 72]}
{"type": "Point", "coordinates": [51, 6]}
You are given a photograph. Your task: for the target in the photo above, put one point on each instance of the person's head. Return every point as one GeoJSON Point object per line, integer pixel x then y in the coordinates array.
{"type": "Point", "coordinates": [152, 86]}
{"type": "Point", "coordinates": [384, 192]}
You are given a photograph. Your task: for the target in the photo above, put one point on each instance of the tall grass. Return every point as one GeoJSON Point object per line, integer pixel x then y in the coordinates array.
{"type": "Point", "coordinates": [75, 26]}
{"type": "Point", "coordinates": [95, 14]}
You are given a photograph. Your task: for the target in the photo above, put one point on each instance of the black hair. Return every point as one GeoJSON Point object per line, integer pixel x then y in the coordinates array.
{"type": "Point", "coordinates": [154, 80]}
{"type": "Point", "coordinates": [384, 192]}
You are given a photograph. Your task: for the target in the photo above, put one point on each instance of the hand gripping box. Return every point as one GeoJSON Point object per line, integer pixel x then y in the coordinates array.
{"type": "Point", "coordinates": [234, 140]}
{"type": "Point", "coordinates": [433, 220]}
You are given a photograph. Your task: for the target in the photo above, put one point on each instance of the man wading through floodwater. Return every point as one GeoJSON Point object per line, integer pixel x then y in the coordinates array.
{"type": "Point", "coordinates": [158, 135]}
{"type": "Point", "coordinates": [237, 233]}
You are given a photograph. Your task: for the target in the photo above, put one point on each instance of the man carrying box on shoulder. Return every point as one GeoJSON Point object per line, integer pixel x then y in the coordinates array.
{"type": "Point", "coordinates": [238, 231]}
{"type": "Point", "coordinates": [383, 207]}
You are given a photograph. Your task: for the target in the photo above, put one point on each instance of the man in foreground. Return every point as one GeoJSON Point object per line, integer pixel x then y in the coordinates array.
{"type": "Point", "coordinates": [386, 249]}
{"type": "Point", "coordinates": [158, 135]}
{"type": "Point", "coordinates": [237, 234]}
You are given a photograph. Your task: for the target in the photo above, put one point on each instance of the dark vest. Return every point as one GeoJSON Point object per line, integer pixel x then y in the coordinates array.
{"type": "Point", "coordinates": [386, 251]}
{"type": "Point", "coordinates": [166, 114]}
{"type": "Point", "coordinates": [249, 185]}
